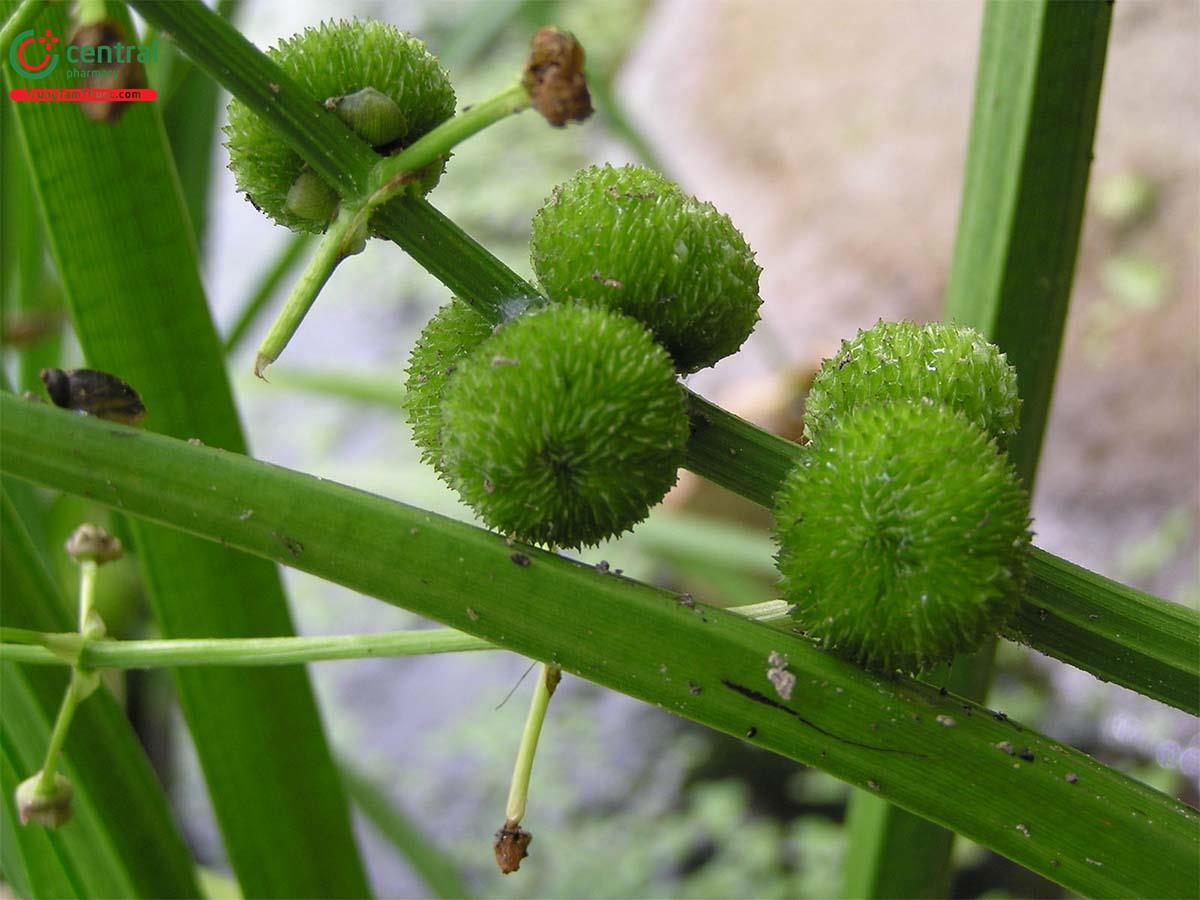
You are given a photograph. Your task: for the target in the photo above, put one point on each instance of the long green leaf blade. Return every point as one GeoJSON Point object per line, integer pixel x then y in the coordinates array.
{"type": "Point", "coordinates": [122, 841]}
{"type": "Point", "coordinates": [123, 244]}
{"type": "Point", "coordinates": [1099, 833]}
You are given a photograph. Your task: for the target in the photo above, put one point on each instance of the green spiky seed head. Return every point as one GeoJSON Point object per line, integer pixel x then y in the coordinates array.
{"type": "Point", "coordinates": [901, 362]}
{"type": "Point", "coordinates": [565, 426]}
{"type": "Point", "coordinates": [337, 62]}
{"type": "Point", "coordinates": [448, 337]}
{"type": "Point", "coordinates": [903, 537]}
{"type": "Point", "coordinates": [631, 240]}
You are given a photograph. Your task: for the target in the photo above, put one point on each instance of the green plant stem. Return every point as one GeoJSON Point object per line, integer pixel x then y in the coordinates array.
{"type": "Point", "coordinates": [74, 693]}
{"type": "Point", "coordinates": [393, 173]}
{"type": "Point", "coordinates": [71, 649]}
{"type": "Point", "coordinates": [518, 792]}
{"type": "Point", "coordinates": [81, 683]}
{"type": "Point", "coordinates": [20, 20]}
{"type": "Point", "coordinates": [389, 179]}
{"type": "Point", "coordinates": [290, 254]}
{"type": "Point", "coordinates": [696, 661]}
{"type": "Point", "coordinates": [34, 647]}
{"type": "Point", "coordinates": [344, 238]}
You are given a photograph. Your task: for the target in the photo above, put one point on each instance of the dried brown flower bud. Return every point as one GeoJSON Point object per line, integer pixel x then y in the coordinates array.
{"type": "Point", "coordinates": [95, 393]}
{"type": "Point", "coordinates": [512, 846]}
{"type": "Point", "coordinates": [554, 77]}
{"type": "Point", "coordinates": [92, 543]}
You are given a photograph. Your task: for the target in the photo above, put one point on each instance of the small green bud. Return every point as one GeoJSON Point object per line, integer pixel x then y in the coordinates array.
{"type": "Point", "coordinates": [372, 114]}
{"type": "Point", "coordinates": [50, 809]}
{"type": "Point", "coordinates": [903, 537]}
{"type": "Point", "coordinates": [311, 199]}
{"type": "Point", "coordinates": [338, 60]}
{"type": "Point", "coordinates": [91, 543]}
{"type": "Point", "coordinates": [631, 240]}
{"type": "Point", "coordinates": [449, 336]}
{"type": "Point", "coordinates": [565, 426]}
{"type": "Point", "coordinates": [901, 362]}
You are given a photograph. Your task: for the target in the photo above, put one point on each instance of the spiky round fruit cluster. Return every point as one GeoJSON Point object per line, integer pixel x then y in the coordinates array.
{"type": "Point", "coordinates": [565, 426]}
{"type": "Point", "coordinates": [901, 362]}
{"type": "Point", "coordinates": [902, 537]}
{"type": "Point", "coordinates": [631, 240]}
{"type": "Point", "coordinates": [382, 82]}
{"type": "Point", "coordinates": [448, 337]}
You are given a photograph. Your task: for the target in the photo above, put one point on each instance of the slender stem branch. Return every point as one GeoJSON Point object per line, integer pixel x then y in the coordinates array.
{"type": "Point", "coordinates": [50, 649]}
{"type": "Point", "coordinates": [90, 624]}
{"type": "Point", "coordinates": [283, 651]}
{"type": "Point", "coordinates": [518, 793]}
{"type": "Point", "coordinates": [265, 290]}
{"type": "Point", "coordinates": [21, 19]}
{"type": "Point", "coordinates": [341, 240]}
{"type": "Point", "coordinates": [62, 724]}
{"type": "Point", "coordinates": [393, 173]}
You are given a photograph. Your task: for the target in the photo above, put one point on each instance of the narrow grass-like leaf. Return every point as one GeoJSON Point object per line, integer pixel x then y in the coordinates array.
{"type": "Point", "coordinates": [1037, 93]}
{"type": "Point", "coordinates": [123, 245]}
{"type": "Point", "coordinates": [1036, 98]}
{"type": "Point", "coordinates": [1061, 814]}
{"type": "Point", "coordinates": [122, 841]}
{"type": "Point", "coordinates": [190, 117]}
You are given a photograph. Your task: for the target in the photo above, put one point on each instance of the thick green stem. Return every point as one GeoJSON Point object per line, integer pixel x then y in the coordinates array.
{"type": "Point", "coordinates": [35, 648]}
{"type": "Point", "coordinates": [518, 792]}
{"type": "Point", "coordinates": [344, 238]}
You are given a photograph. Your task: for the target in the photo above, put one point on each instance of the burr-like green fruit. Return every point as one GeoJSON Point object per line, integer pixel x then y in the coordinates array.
{"type": "Point", "coordinates": [565, 426]}
{"type": "Point", "coordinates": [903, 537]}
{"type": "Point", "coordinates": [631, 240]}
{"type": "Point", "coordinates": [448, 337]}
{"type": "Point", "coordinates": [380, 81]}
{"type": "Point", "coordinates": [901, 362]}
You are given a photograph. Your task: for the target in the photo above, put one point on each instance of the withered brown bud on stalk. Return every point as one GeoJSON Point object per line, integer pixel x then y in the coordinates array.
{"type": "Point", "coordinates": [512, 846]}
{"type": "Point", "coordinates": [554, 77]}
{"type": "Point", "coordinates": [115, 74]}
